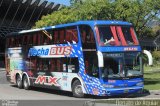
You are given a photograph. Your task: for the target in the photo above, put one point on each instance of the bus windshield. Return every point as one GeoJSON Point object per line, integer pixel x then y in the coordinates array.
{"type": "Point", "coordinates": [122, 65]}
{"type": "Point", "coordinates": [116, 35]}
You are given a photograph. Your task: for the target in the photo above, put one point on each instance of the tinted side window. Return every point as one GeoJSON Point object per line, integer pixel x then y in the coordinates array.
{"type": "Point", "coordinates": [87, 37]}
{"type": "Point", "coordinates": [62, 36]}
{"type": "Point", "coordinates": [70, 65]}
{"type": "Point", "coordinates": [35, 39]}
{"type": "Point", "coordinates": [24, 39]}
{"type": "Point", "coordinates": [65, 35]}
{"type": "Point", "coordinates": [42, 64]}
{"type": "Point", "coordinates": [91, 63]}
{"type": "Point", "coordinates": [55, 37]}
{"type": "Point", "coordinates": [71, 35]}
{"type": "Point", "coordinates": [46, 37]}
{"type": "Point", "coordinates": [73, 65]}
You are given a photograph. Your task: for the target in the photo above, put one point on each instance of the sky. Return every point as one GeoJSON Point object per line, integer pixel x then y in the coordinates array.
{"type": "Point", "coordinates": [65, 2]}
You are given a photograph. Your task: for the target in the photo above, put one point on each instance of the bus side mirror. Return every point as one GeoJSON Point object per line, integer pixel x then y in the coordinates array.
{"type": "Point", "coordinates": [149, 55]}
{"type": "Point", "coordinates": [100, 59]}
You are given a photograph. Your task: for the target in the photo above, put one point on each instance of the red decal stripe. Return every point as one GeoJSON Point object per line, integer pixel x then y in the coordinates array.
{"type": "Point", "coordinates": [120, 33]}
{"type": "Point", "coordinates": [113, 29]}
{"type": "Point", "coordinates": [134, 36]}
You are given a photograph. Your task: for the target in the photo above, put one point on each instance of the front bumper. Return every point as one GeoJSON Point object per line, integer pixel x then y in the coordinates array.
{"type": "Point", "coordinates": [122, 91]}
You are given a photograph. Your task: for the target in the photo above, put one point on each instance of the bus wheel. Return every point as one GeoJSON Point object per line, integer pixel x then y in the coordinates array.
{"type": "Point", "coordinates": [25, 82]}
{"type": "Point", "coordinates": [77, 89]}
{"type": "Point", "coordinates": [19, 81]}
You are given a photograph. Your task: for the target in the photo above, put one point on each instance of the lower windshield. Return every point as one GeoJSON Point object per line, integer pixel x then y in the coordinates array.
{"type": "Point", "coordinates": [122, 65]}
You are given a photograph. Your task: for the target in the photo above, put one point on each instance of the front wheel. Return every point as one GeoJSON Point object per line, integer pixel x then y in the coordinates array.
{"type": "Point", "coordinates": [77, 89]}
{"type": "Point", "coordinates": [25, 83]}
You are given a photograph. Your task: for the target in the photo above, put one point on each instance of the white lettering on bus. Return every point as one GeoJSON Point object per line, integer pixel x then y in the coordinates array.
{"type": "Point", "coordinates": [61, 50]}
{"type": "Point", "coordinates": [58, 50]}
{"type": "Point", "coordinates": [130, 49]}
{"type": "Point", "coordinates": [38, 52]}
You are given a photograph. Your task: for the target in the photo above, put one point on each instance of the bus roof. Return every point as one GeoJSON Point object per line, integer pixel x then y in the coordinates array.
{"type": "Point", "coordinates": [91, 22]}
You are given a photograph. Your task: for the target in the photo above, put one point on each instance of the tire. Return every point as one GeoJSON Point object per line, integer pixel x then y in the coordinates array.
{"type": "Point", "coordinates": [18, 81]}
{"type": "Point", "coordinates": [77, 89]}
{"type": "Point", "coordinates": [25, 83]}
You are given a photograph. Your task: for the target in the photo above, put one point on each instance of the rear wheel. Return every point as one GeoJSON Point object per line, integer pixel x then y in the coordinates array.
{"type": "Point", "coordinates": [19, 81]}
{"type": "Point", "coordinates": [25, 83]}
{"type": "Point", "coordinates": [77, 89]}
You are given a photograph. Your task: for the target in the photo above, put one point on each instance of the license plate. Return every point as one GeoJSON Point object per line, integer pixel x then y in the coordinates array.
{"type": "Point", "coordinates": [126, 90]}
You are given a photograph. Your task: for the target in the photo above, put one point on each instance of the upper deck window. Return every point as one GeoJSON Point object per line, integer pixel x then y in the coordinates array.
{"type": "Point", "coordinates": [71, 35]}
{"type": "Point", "coordinates": [129, 34]}
{"type": "Point", "coordinates": [87, 37]}
{"type": "Point", "coordinates": [116, 35]}
{"type": "Point", "coordinates": [65, 35]}
{"type": "Point", "coordinates": [106, 35]}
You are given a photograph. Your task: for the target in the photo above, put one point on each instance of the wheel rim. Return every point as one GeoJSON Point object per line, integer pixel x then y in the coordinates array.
{"type": "Point", "coordinates": [25, 82]}
{"type": "Point", "coordinates": [78, 90]}
{"type": "Point", "coordinates": [18, 81]}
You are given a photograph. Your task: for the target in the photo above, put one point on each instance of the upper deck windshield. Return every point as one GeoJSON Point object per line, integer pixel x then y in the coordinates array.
{"type": "Point", "coordinates": [116, 35]}
{"type": "Point", "coordinates": [117, 65]}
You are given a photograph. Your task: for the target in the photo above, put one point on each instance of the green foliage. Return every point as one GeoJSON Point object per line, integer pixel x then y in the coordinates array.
{"type": "Point", "coordinates": [156, 56]}
{"type": "Point", "coordinates": [145, 59]}
{"type": "Point", "coordinates": [138, 12]}
{"type": "Point", "coordinates": [147, 32]}
{"type": "Point", "coordinates": [156, 30]}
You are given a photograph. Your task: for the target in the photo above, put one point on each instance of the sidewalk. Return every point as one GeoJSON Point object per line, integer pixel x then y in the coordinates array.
{"type": "Point", "coordinates": [2, 69]}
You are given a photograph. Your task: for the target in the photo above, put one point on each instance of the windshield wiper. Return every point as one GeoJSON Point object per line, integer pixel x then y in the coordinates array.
{"type": "Point", "coordinates": [136, 75]}
{"type": "Point", "coordinates": [115, 75]}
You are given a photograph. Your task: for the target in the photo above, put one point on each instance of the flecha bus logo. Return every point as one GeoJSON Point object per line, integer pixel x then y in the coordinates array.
{"type": "Point", "coordinates": [50, 51]}
{"type": "Point", "coordinates": [66, 50]}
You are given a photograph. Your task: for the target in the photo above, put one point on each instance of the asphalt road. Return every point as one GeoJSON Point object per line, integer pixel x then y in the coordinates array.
{"type": "Point", "coordinates": [11, 92]}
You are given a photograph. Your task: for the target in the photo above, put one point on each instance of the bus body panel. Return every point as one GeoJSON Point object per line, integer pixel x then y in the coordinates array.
{"type": "Point", "coordinates": [17, 63]}
{"type": "Point", "coordinates": [57, 80]}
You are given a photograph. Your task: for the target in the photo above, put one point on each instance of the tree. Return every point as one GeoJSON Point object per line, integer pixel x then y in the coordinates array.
{"type": "Point", "coordinates": [138, 12]}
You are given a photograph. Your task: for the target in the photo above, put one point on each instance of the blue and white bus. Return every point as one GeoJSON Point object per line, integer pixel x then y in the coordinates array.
{"type": "Point", "coordinates": [86, 57]}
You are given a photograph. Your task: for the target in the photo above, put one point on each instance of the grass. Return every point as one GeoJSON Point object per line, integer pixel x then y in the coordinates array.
{"type": "Point", "coordinates": [152, 77]}
{"type": "Point", "coordinates": [152, 68]}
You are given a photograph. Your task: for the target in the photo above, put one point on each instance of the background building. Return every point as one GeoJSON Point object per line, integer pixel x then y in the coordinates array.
{"type": "Point", "coordinates": [16, 15]}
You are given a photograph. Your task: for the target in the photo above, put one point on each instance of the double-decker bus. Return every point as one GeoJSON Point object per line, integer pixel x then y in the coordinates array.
{"type": "Point", "coordinates": [86, 57]}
